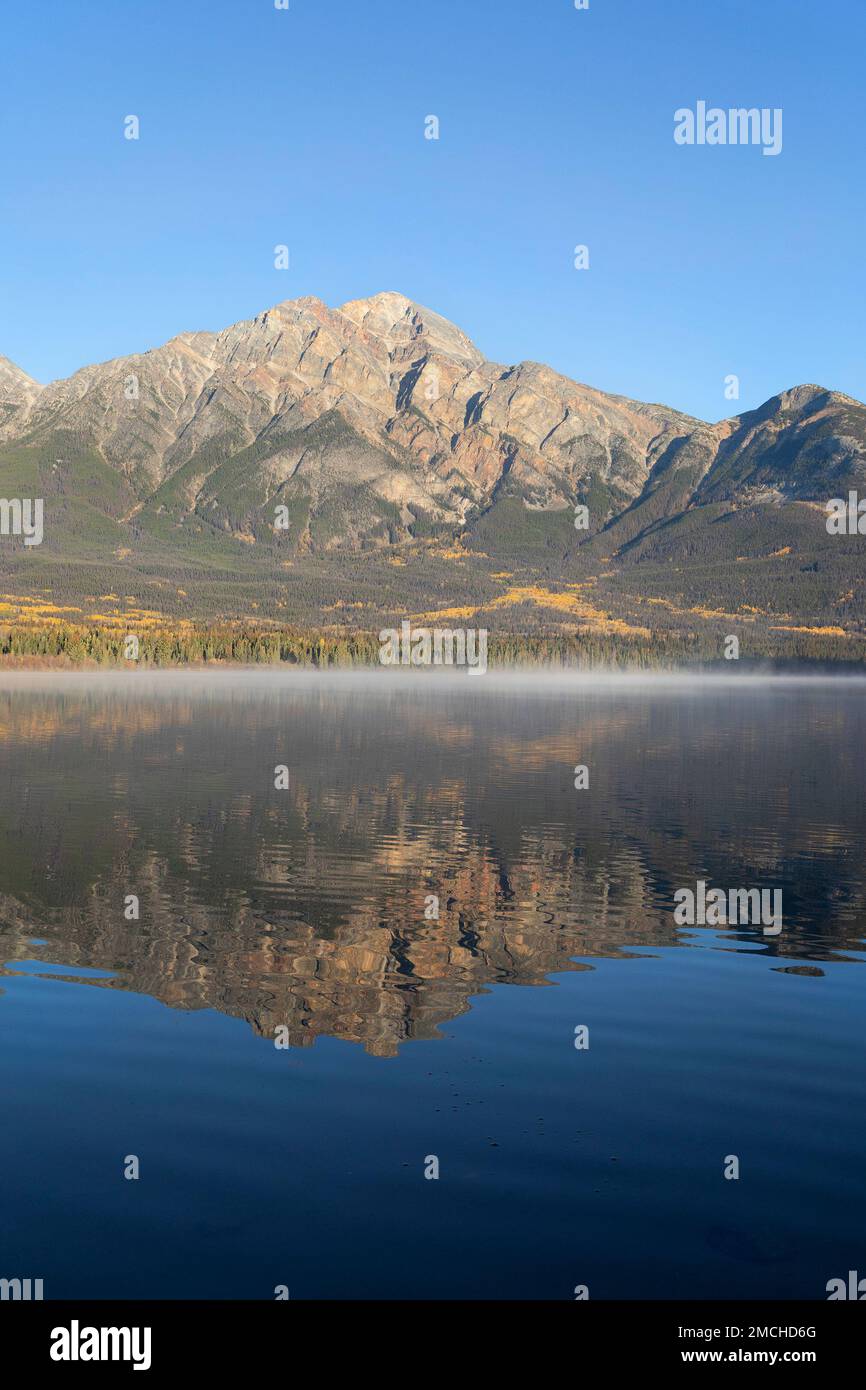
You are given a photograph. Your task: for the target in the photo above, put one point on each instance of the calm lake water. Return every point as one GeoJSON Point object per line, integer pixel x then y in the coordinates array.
{"type": "Point", "coordinates": [299, 914]}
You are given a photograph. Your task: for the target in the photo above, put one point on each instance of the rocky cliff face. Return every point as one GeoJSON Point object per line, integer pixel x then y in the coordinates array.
{"type": "Point", "coordinates": [802, 438]}
{"type": "Point", "coordinates": [379, 427]}
{"type": "Point", "coordinates": [17, 391]}
{"type": "Point", "coordinates": [415, 413]}
{"type": "Point", "coordinates": [387, 399]}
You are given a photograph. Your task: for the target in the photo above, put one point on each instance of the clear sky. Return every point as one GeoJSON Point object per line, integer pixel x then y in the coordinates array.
{"type": "Point", "coordinates": [306, 127]}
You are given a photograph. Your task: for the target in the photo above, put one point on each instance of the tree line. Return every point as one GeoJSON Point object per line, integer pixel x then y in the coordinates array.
{"type": "Point", "coordinates": [194, 645]}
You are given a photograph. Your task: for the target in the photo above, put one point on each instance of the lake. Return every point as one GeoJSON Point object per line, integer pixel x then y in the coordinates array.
{"type": "Point", "coordinates": [471, 966]}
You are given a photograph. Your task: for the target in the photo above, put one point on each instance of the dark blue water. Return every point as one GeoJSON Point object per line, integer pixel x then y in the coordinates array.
{"type": "Point", "coordinates": [303, 910]}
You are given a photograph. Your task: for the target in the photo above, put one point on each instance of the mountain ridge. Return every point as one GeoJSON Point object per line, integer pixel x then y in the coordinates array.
{"type": "Point", "coordinates": [362, 306]}
{"type": "Point", "coordinates": [379, 428]}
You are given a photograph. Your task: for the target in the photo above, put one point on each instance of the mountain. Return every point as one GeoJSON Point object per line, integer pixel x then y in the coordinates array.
{"type": "Point", "coordinates": [381, 399]}
{"type": "Point", "coordinates": [17, 391]}
{"type": "Point", "coordinates": [416, 476]}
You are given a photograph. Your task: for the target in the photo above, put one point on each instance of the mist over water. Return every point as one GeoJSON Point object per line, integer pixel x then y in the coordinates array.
{"type": "Point", "coordinates": [304, 910]}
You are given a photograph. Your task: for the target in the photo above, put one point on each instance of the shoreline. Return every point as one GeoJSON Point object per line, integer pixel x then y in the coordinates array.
{"type": "Point", "coordinates": [236, 675]}
{"type": "Point", "coordinates": [250, 646]}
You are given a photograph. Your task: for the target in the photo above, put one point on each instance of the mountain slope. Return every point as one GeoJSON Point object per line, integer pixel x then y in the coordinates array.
{"type": "Point", "coordinates": [382, 430]}
{"type": "Point", "coordinates": [424, 423]}
{"type": "Point", "coordinates": [17, 392]}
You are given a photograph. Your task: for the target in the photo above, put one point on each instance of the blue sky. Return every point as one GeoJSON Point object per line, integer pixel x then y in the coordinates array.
{"type": "Point", "coordinates": [306, 127]}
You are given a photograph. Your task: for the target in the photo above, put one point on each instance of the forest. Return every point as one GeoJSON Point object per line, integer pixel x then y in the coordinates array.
{"type": "Point", "coordinates": [245, 644]}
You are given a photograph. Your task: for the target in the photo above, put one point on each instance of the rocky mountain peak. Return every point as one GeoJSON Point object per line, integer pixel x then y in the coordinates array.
{"type": "Point", "coordinates": [402, 324]}
{"type": "Point", "coordinates": [379, 423]}
{"type": "Point", "coordinates": [16, 387]}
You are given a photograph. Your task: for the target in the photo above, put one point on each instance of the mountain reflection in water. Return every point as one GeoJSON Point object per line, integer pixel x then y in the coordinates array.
{"type": "Point", "coordinates": [268, 913]}
{"type": "Point", "coordinates": [305, 907]}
